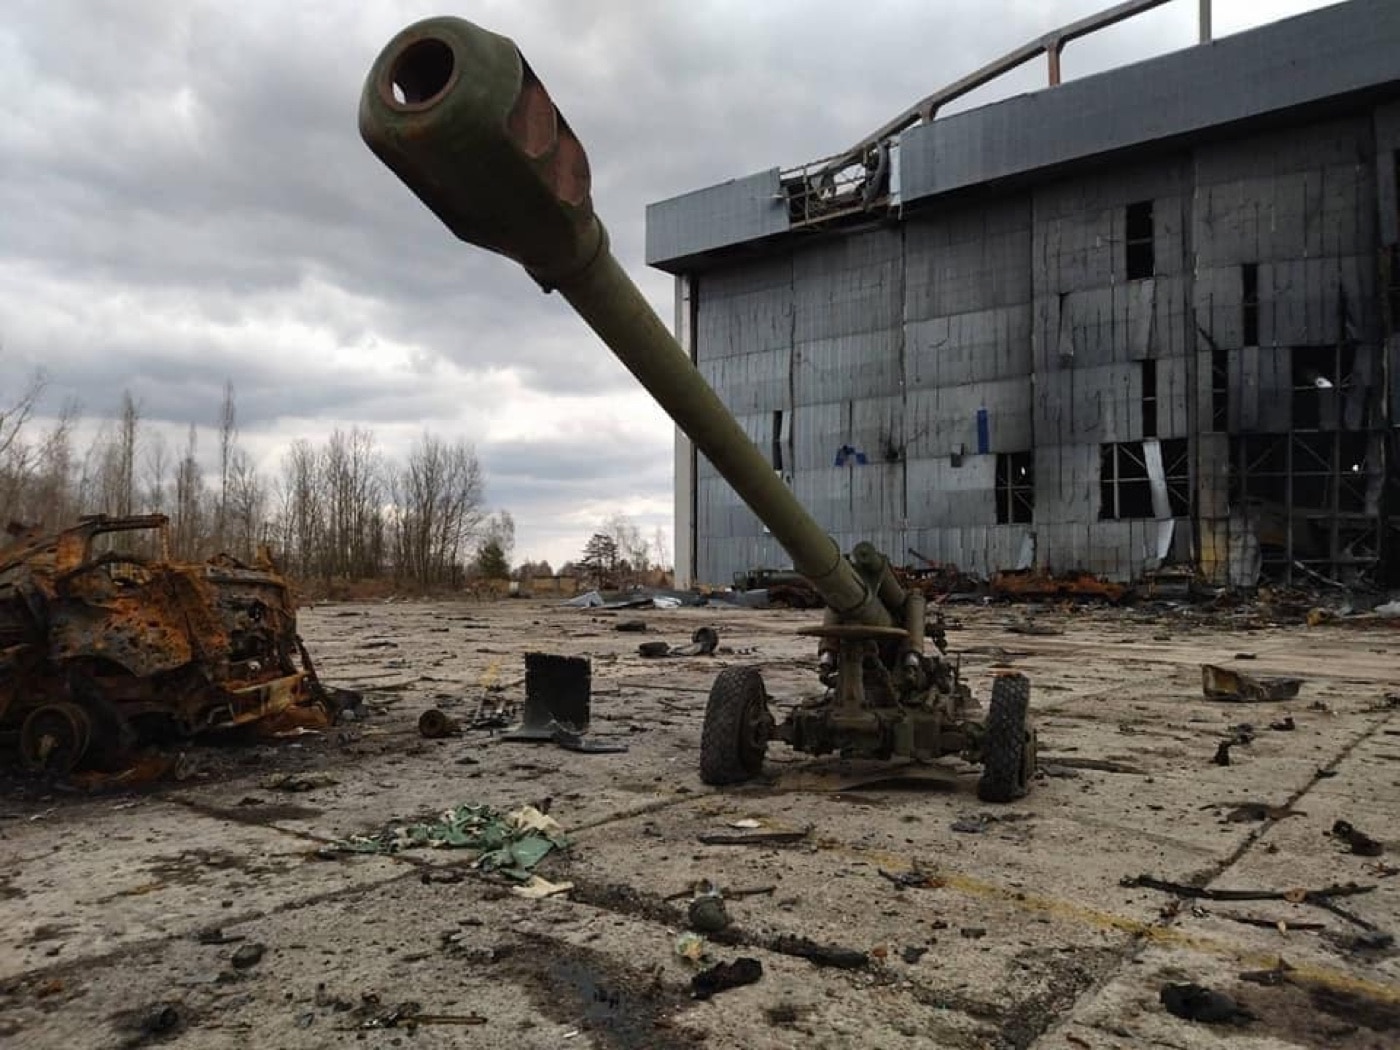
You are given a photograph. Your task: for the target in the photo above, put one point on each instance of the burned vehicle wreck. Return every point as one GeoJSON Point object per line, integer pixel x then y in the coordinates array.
{"type": "Point", "coordinates": [107, 645]}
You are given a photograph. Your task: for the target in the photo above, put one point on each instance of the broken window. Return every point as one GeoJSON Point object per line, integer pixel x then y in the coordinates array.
{"type": "Point", "coordinates": [1015, 488]}
{"type": "Point", "coordinates": [1176, 468]}
{"type": "Point", "coordinates": [1149, 399]}
{"type": "Point", "coordinates": [1124, 488]}
{"type": "Point", "coordinates": [1392, 287]}
{"type": "Point", "coordinates": [777, 449]}
{"type": "Point", "coordinates": [1321, 375]}
{"type": "Point", "coordinates": [1141, 260]}
{"type": "Point", "coordinates": [1249, 303]}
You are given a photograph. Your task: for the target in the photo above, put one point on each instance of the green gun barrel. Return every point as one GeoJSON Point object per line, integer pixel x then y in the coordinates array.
{"type": "Point", "coordinates": [458, 115]}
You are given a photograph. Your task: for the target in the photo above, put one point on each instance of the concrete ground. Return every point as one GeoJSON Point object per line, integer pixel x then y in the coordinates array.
{"type": "Point", "coordinates": [1026, 932]}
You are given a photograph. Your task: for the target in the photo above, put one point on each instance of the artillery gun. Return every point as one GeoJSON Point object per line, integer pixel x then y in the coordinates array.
{"type": "Point", "coordinates": [459, 116]}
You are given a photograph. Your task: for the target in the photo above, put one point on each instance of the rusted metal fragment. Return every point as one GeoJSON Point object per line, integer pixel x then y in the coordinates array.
{"type": "Point", "coordinates": [1030, 584]}
{"type": "Point", "coordinates": [1221, 683]}
{"type": "Point", "coordinates": [106, 644]}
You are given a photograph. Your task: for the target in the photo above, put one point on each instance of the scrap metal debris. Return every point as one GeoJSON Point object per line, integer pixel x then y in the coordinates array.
{"type": "Point", "coordinates": [821, 954]}
{"type": "Point", "coordinates": [509, 844]}
{"type": "Point", "coordinates": [1356, 840]}
{"type": "Point", "coordinates": [1194, 1002]}
{"type": "Point", "coordinates": [437, 725]}
{"type": "Point", "coordinates": [1222, 683]}
{"type": "Point", "coordinates": [723, 976]}
{"type": "Point", "coordinates": [706, 912]}
{"type": "Point", "coordinates": [1293, 896]}
{"type": "Point", "coordinates": [298, 782]}
{"type": "Point", "coordinates": [106, 644]}
{"type": "Point", "coordinates": [703, 642]}
{"type": "Point", "coordinates": [752, 838]}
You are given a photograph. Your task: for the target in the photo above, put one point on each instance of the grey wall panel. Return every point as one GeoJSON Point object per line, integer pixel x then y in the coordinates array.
{"type": "Point", "coordinates": [942, 495]}
{"type": "Point", "coordinates": [877, 429]}
{"type": "Point", "coordinates": [1275, 390]}
{"type": "Point", "coordinates": [1105, 404]}
{"type": "Point", "coordinates": [968, 348]}
{"type": "Point", "coordinates": [938, 422]}
{"type": "Point", "coordinates": [731, 213]}
{"type": "Point", "coordinates": [746, 311]}
{"type": "Point", "coordinates": [1066, 483]}
{"type": "Point", "coordinates": [1174, 396]}
{"type": "Point", "coordinates": [826, 493]}
{"type": "Point", "coordinates": [849, 285]}
{"type": "Point", "coordinates": [877, 497]}
{"type": "Point", "coordinates": [818, 431]}
{"type": "Point", "coordinates": [863, 365]}
{"type": "Point", "coordinates": [1284, 151]}
{"type": "Point", "coordinates": [1218, 311]}
{"type": "Point", "coordinates": [969, 260]}
{"type": "Point", "coordinates": [1325, 53]}
{"type": "Point", "coordinates": [751, 383]}
{"type": "Point", "coordinates": [1387, 141]}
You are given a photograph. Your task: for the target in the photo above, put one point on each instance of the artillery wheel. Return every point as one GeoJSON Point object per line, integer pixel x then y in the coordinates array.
{"type": "Point", "coordinates": [1008, 744]}
{"type": "Point", "coordinates": [54, 738]}
{"type": "Point", "coordinates": [737, 727]}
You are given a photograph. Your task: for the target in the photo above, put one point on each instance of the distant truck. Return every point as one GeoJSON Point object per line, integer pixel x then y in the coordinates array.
{"type": "Point", "coordinates": [102, 651]}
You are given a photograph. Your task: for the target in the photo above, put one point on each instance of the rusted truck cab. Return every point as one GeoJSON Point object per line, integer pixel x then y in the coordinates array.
{"type": "Point", "coordinates": [105, 643]}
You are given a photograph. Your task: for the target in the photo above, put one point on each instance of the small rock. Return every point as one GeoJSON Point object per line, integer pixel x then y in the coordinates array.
{"type": "Point", "coordinates": [913, 953]}
{"type": "Point", "coordinates": [248, 955]}
{"type": "Point", "coordinates": [973, 933]}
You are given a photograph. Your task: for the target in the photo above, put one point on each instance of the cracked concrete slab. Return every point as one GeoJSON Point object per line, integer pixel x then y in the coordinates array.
{"type": "Point", "coordinates": [1023, 934]}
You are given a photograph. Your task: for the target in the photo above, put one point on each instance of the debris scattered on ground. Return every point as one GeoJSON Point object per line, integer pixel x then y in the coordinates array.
{"type": "Point", "coordinates": [298, 782]}
{"type": "Point", "coordinates": [248, 955]}
{"type": "Point", "coordinates": [436, 725]}
{"type": "Point", "coordinates": [976, 823]}
{"type": "Point", "coordinates": [723, 976]}
{"type": "Point", "coordinates": [1221, 683]}
{"type": "Point", "coordinates": [1194, 1002]}
{"type": "Point", "coordinates": [1250, 812]}
{"type": "Point", "coordinates": [691, 946]}
{"type": "Point", "coordinates": [1356, 840]}
{"type": "Point", "coordinates": [752, 838]}
{"type": "Point", "coordinates": [1293, 896]}
{"type": "Point", "coordinates": [703, 642]}
{"type": "Point", "coordinates": [1283, 926]}
{"type": "Point", "coordinates": [913, 953]}
{"type": "Point", "coordinates": [509, 844]}
{"type": "Point", "coordinates": [571, 739]}
{"type": "Point", "coordinates": [631, 626]}
{"type": "Point", "coordinates": [706, 912]}
{"type": "Point", "coordinates": [915, 878]}
{"type": "Point", "coordinates": [974, 933]}
{"type": "Point", "coordinates": [537, 888]}
{"type": "Point", "coordinates": [820, 954]}
{"type": "Point", "coordinates": [1283, 725]}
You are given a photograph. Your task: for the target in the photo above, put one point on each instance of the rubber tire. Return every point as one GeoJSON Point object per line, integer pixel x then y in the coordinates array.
{"type": "Point", "coordinates": [727, 755]}
{"type": "Point", "coordinates": [71, 717]}
{"type": "Point", "coordinates": [1004, 745]}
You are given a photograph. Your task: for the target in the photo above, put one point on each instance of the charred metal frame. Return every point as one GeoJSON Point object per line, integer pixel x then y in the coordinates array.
{"type": "Point", "coordinates": [101, 650]}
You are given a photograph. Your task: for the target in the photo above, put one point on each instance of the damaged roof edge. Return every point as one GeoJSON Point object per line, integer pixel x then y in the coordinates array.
{"type": "Point", "coordinates": [1335, 52]}
{"type": "Point", "coordinates": [734, 212]}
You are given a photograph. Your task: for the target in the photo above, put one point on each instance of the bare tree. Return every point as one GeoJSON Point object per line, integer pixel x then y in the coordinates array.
{"type": "Point", "coordinates": [438, 510]}
{"type": "Point", "coordinates": [125, 455]}
{"type": "Point", "coordinates": [189, 493]}
{"type": "Point", "coordinates": [156, 467]}
{"type": "Point", "coordinates": [228, 435]}
{"type": "Point", "coordinates": [247, 506]}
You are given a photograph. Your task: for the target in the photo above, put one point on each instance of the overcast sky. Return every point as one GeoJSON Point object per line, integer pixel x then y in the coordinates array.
{"type": "Point", "coordinates": [184, 198]}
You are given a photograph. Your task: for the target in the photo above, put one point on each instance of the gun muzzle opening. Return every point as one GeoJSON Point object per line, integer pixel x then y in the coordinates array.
{"type": "Point", "coordinates": [420, 74]}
